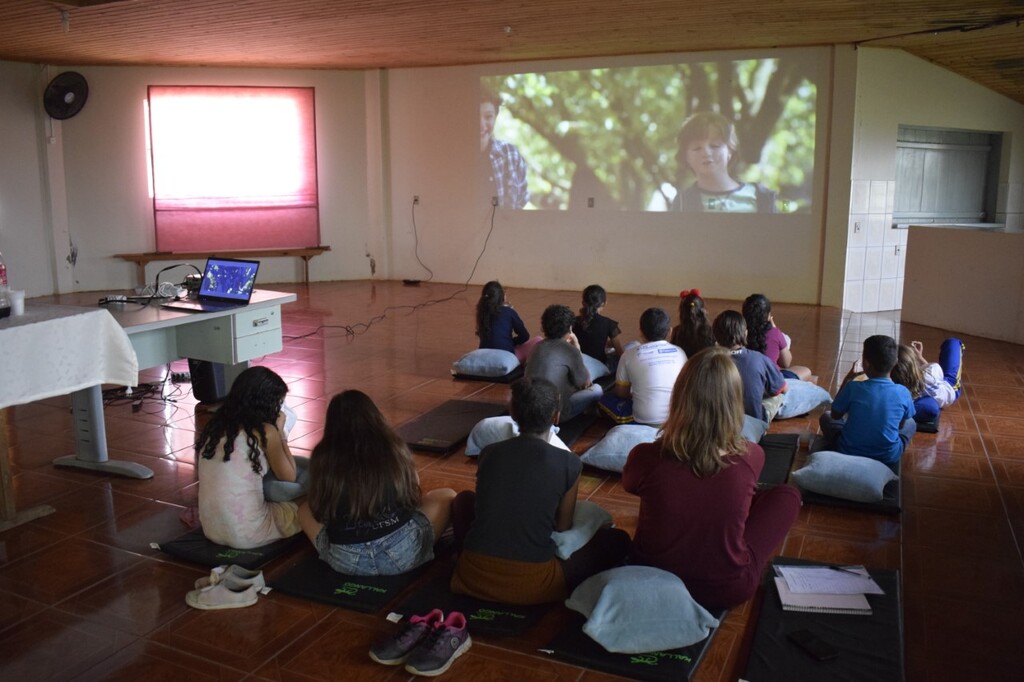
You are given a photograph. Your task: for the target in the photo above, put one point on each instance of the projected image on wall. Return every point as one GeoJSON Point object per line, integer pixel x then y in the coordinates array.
{"type": "Point", "coordinates": [723, 136]}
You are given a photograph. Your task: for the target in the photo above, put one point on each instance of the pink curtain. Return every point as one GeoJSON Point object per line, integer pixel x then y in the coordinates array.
{"type": "Point", "coordinates": [233, 168]}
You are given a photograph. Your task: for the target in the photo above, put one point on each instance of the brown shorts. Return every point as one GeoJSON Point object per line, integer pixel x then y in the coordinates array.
{"type": "Point", "coordinates": [507, 581]}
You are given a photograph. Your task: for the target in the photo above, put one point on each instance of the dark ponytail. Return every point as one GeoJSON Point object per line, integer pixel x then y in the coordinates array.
{"type": "Point", "coordinates": [491, 299]}
{"type": "Point", "coordinates": [756, 309]}
{"type": "Point", "coordinates": [594, 296]}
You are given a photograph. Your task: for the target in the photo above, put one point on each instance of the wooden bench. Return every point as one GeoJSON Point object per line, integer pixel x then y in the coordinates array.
{"type": "Point", "coordinates": [142, 259]}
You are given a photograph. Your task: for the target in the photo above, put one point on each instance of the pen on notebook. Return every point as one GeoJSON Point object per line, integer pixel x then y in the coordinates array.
{"type": "Point", "coordinates": [846, 570]}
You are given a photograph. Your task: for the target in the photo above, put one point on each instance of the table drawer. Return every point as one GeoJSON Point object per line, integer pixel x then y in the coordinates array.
{"type": "Point", "coordinates": [257, 321]}
{"type": "Point", "coordinates": [231, 339]}
{"type": "Point", "coordinates": [257, 345]}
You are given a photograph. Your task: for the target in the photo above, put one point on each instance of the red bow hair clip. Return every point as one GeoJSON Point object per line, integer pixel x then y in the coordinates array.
{"type": "Point", "coordinates": [686, 292]}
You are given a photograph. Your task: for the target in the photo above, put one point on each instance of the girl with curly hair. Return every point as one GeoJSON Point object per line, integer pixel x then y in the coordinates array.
{"type": "Point", "coordinates": [242, 443]}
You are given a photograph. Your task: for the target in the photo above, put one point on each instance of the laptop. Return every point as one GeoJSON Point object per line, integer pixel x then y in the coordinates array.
{"type": "Point", "coordinates": [227, 283]}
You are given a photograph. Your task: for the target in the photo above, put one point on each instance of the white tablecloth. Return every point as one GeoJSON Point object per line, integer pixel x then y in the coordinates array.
{"type": "Point", "coordinates": [54, 350]}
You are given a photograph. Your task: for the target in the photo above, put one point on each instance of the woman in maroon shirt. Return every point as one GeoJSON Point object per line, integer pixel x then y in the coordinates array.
{"type": "Point", "coordinates": [701, 516]}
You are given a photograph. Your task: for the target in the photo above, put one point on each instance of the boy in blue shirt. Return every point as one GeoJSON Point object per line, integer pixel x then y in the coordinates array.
{"type": "Point", "coordinates": [872, 418]}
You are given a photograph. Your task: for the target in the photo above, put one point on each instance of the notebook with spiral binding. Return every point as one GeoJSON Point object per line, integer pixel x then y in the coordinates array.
{"type": "Point", "coordinates": [853, 604]}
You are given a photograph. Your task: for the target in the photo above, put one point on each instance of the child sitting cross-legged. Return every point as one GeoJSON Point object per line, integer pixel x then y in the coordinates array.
{"type": "Point", "coordinates": [701, 515]}
{"type": "Point", "coordinates": [526, 489]}
{"type": "Point", "coordinates": [763, 383]}
{"type": "Point", "coordinates": [598, 335]}
{"type": "Point", "coordinates": [872, 418]}
{"type": "Point", "coordinates": [243, 456]}
{"type": "Point", "coordinates": [693, 333]}
{"type": "Point", "coordinates": [559, 360]}
{"type": "Point", "coordinates": [648, 371]}
{"type": "Point", "coordinates": [366, 514]}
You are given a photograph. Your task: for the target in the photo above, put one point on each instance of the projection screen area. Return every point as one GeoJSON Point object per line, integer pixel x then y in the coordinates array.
{"type": "Point", "coordinates": [727, 136]}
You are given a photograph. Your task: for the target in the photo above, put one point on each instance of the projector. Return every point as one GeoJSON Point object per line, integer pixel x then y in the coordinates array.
{"type": "Point", "coordinates": [192, 283]}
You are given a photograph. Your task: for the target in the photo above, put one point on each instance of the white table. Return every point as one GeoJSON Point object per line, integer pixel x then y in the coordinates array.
{"type": "Point", "coordinates": [158, 336]}
{"type": "Point", "coordinates": [58, 349]}
{"type": "Point", "coordinates": [53, 350]}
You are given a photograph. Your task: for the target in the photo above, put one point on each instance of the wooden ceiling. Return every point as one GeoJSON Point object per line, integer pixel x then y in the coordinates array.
{"type": "Point", "coordinates": [980, 39]}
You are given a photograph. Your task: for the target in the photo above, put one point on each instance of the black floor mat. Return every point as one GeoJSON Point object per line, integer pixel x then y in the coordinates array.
{"type": "Point", "coordinates": [315, 580]}
{"type": "Point", "coordinates": [445, 427]}
{"type": "Point", "coordinates": [870, 647]}
{"type": "Point", "coordinates": [193, 546]}
{"type": "Point", "coordinates": [779, 451]}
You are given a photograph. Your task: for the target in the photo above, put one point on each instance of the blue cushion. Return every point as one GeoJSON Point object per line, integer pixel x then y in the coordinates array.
{"type": "Point", "coordinates": [486, 362]}
{"type": "Point", "coordinates": [847, 477]}
{"type": "Point", "coordinates": [637, 609]}
{"type": "Point", "coordinates": [610, 452]}
{"type": "Point", "coordinates": [587, 519]}
{"type": "Point", "coordinates": [497, 429]}
{"type": "Point", "coordinates": [801, 397]}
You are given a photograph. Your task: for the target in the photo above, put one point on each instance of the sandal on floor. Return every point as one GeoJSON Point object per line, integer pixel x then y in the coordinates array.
{"type": "Point", "coordinates": [235, 576]}
{"type": "Point", "coordinates": [222, 596]}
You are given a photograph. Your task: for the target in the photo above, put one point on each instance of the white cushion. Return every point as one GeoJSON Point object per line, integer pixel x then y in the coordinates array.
{"type": "Point", "coordinates": [848, 477]}
{"type": "Point", "coordinates": [637, 609]}
{"type": "Point", "coordinates": [486, 362]}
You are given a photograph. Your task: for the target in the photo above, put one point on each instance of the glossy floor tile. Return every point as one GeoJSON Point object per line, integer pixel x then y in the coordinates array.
{"type": "Point", "coordinates": [84, 596]}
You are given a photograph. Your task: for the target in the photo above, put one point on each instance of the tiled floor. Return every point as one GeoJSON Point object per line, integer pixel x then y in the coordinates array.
{"type": "Point", "coordinates": [83, 596]}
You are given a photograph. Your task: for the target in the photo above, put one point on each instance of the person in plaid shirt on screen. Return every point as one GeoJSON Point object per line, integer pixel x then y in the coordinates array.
{"type": "Point", "coordinates": [503, 164]}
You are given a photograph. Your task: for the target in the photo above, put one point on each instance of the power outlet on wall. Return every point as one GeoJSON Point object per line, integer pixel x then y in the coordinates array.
{"type": "Point", "coordinates": [415, 199]}
{"type": "Point", "coordinates": [494, 201]}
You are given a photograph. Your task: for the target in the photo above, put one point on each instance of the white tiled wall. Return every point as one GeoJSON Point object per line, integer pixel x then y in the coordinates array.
{"type": "Point", "coordinates": [1010, 206]}
{"type": "Point", "coordinates": [875, 253]}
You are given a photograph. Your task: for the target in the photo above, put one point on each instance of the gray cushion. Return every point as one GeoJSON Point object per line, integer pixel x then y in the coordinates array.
{"type": "Point", "coordinates": [637, 609]}
{"type": "Point", "coordinates": [610, 452]}
{"type": "Point", "coordinates": [801, 397]}
{"type": "Point", "coordinates": [753, 428]}
{"type": "Point", "coordinates": [497, 429]}
{"type": "Point", "coordinates": [587, 519]}
{"type": "Point", "coordinates": [848, 477]}
{"type": "Point", "coordinates": [595, 367]}
{"type": "Point", "coordinates": [486, 362]}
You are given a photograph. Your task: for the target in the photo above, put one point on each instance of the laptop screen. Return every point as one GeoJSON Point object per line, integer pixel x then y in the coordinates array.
{"type": "Point", "coordinates": [228, 279]}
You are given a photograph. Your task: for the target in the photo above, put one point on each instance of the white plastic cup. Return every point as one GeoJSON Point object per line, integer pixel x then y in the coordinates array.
{"type": "Point", "coordinates": [17, 302]}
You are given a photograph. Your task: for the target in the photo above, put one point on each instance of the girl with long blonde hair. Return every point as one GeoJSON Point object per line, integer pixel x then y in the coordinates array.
{"type": "Point", "coordinates": [701, 515]}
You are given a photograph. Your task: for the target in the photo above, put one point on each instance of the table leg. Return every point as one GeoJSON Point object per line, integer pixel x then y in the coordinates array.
{"type": "Point", "coordinates": [9, 516]}
{"type": "Point", "coordinates": [91, 438]}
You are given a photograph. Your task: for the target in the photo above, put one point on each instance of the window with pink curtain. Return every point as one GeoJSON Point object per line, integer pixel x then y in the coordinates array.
{"type": "Point", "coordinates": [233, 168]}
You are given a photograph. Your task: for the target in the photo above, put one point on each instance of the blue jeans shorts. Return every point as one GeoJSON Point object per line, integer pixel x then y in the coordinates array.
{"type": "Point", "coordinates": [402, 550]}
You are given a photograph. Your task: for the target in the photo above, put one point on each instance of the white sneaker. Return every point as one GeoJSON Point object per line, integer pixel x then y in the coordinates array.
{"type": "Point", "coordinates": [235, 576]}
{"type": "Point", "coordinates": [222, 596]}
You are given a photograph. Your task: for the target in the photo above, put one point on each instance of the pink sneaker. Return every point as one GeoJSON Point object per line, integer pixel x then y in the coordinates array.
{"type": "Point", "coordinates": [441, 647]}
{"type": "Point", "coordinates": [395, 649]}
